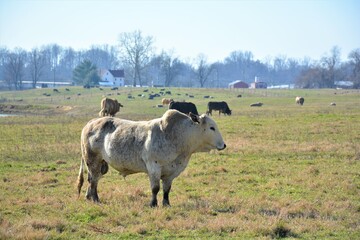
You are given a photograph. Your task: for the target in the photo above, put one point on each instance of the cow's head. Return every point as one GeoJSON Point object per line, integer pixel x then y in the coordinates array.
{"type": "Point", "coordinates": [228, 111]}
{"type": "Point", "coordinates": [210, 137]}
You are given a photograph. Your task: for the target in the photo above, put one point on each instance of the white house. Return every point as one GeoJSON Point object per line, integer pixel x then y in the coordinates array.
{"type": "Point", "coordinates": [112, 78]}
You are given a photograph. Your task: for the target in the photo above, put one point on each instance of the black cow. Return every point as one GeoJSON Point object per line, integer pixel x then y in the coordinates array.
{"type": "Point", "coordinates": [184, 107]}
{"type": "Point", "coordinates": [222, 107]}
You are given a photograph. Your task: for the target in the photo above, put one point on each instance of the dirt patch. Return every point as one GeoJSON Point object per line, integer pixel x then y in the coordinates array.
{"type": "Point", "coordinates": [12, 108]}
{"type": "Point", "coordinates": [64, 108]}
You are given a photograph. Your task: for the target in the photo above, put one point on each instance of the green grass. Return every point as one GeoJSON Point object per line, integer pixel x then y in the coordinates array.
{"type": "Point", "coordinates": [288, 172]}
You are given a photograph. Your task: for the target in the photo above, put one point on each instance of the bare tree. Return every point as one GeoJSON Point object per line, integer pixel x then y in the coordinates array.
{"type": "Point", "coordinates": [354, 57]}
{"type": "Point", "coordinates": [36, 65]}
{"type": "Point", "coordinates": [240, 62]}
{"type": "Point", "coordinates": [14, 68]}
{"type": "Point", "coordinates": [309, 78]}
{"type": "Point", "coordinates": [203, 69]}
{"type": "Point", "coordinates": [55, 55]}
{"type": "Point", "coordinates": [68, 61]}
{"type": "Point", "coordinates": [330, 65]}
{"type": "Point", "coordinates": [3, 60]}
{"type": "Point", "coordinates": [136, 50]}
{"type": "Point", "coordinates": [170, 66]}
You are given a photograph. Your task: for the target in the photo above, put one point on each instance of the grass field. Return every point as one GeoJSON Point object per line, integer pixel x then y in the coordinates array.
{"type": "Point", "coordinates": [288, 171]}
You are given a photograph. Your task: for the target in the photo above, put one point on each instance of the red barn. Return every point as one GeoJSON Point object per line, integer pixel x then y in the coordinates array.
{"type": "Point", "coordinates": [238, 84]}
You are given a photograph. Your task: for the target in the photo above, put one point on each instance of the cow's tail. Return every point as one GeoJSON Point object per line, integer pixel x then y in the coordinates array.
{"type": "Point", "coordinates": [80, 181]}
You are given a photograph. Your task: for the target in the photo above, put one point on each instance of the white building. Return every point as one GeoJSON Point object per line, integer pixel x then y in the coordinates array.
{"type": "Point", "coordinates": [112, 78]}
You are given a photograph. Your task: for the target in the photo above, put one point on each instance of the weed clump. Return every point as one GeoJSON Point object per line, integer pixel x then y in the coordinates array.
{"type": "Point", "coordinates": [282, 231]}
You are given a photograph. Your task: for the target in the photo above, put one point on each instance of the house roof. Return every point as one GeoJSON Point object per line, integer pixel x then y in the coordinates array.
{"type": "Point", "coordinates": [117, 73]}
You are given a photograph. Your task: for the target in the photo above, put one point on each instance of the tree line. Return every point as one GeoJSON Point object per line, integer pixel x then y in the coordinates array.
{"type": "Point", "coordinates": [135, 53]}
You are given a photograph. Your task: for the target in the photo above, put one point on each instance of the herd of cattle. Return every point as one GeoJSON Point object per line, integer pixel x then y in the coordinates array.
{"type": "Point", "coordinates": [161, 147]}
{"type": "Point", "coordinates": [109, 107]}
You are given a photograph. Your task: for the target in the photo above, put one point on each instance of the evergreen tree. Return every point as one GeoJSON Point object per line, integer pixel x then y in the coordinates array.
{"type": "Point", "coordinates": [86, 74]}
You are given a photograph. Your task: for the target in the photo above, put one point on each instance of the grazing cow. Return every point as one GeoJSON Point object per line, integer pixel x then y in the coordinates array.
{"type": "Point", "coordinates": [184, 107]}
{"type": "Point", "coordinates": [166, 101]}
{"type": "Point", "coordinates": [109, 107]}
{"type": "Point", "coordinates": [160, 147]}
{"type": "Point", "coordinates": [222, 107]}
{"type": "Point", "coordinates": [258, 104]}
{"type": "Point", "coordinates": [56, 90]}
{"type": "Point", "coordinates": [299, 100]}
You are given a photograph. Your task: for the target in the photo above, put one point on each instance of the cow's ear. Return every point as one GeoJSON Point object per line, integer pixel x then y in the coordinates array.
{"type": "Point", "coordinates": [202, 118]}
{"type": "Point", "coordinates": [194, 117]}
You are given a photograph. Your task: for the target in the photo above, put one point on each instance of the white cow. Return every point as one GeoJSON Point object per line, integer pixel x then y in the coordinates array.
{"type": "Point", "coordinates": [160, 147]}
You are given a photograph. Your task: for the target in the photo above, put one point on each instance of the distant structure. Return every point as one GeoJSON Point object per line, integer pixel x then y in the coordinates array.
{"type": "Point", "coordinates": [112, 78]}
{"type": "Point", "coordinates": [343, 84]}
{"type": "Point", "coordinates": [258, 84]}
{"type": "Point", "coordinates": [238, 84]}
{"type": "Point", "coordinates": [39, 84]}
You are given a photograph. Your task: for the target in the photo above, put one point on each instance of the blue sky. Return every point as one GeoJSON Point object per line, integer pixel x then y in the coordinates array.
{"type": "Point", "coordinates": [296, 28]}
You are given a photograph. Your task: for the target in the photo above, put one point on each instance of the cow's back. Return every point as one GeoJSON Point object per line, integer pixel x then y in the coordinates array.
{"type": "Point", "coordinates": [184, 107]}
{"type": "Point", "coordinates": [219, 106]}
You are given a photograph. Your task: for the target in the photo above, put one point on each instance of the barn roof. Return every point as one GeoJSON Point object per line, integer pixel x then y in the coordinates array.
{"type": "Point", "coordinates": [237, 81]}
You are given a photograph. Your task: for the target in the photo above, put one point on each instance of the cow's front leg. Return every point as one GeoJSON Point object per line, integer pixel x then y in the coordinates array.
{"type": "Point", "coordinates": [166, 188]}
{"type": "Point", "coordinates": [155, 187]}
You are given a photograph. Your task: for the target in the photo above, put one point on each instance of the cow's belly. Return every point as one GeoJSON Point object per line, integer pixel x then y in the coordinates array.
{"type": "Point", "coordinates": [127, 166]}
{"type": "Point", "coordinates": [123, 158]}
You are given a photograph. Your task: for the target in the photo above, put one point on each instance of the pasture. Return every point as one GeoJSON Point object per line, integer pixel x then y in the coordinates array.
{"type": "Point", "coordinates": [288, 171]}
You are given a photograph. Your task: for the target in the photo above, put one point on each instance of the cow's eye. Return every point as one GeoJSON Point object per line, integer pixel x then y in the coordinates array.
{"type": "Point", "coordinates": [212, 128]}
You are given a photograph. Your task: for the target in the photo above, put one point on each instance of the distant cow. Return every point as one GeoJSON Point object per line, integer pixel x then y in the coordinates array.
{"type": "Point", "coordinates": [299, 100]}
{"type": "Point", "coordinates": [166, 101]}
{"type": "Point", "coordinates": [184, 107]}
{"type": "Point", "coordinates": [258, 104]}
{"type": "Point", "coordinates": [109, 107]}
{"type": "Point", "coordinates": [222, 107]}
{"type": "Point", "coordinates": [160, 147]}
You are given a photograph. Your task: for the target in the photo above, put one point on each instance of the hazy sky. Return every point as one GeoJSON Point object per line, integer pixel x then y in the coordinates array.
{"type": "Point", "coordinates": [294, 28]}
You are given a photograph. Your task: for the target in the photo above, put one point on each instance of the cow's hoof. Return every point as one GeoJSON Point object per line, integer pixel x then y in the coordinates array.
{"type": "Point", "coordinates": [153, 204]}
{"type": "Point", "coordinates": [166, 204]}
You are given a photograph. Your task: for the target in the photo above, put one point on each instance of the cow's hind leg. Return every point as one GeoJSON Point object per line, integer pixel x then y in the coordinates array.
{"type": "Point", "coordinates": [95, 171]}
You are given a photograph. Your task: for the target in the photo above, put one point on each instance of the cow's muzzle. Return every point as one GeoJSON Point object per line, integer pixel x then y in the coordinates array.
{"type": "Point", "coordinates": [222, 147]}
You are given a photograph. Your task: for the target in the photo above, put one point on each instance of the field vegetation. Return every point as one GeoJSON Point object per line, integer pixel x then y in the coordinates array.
{"type": "Point", "coordinates": [288, 171]}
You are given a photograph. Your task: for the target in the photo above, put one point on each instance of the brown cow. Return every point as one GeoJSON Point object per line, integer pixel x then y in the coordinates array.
{"type": "Point", "coordinates": [166, 101]}
{"type": "Point", "coordinates": [109, 107]}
